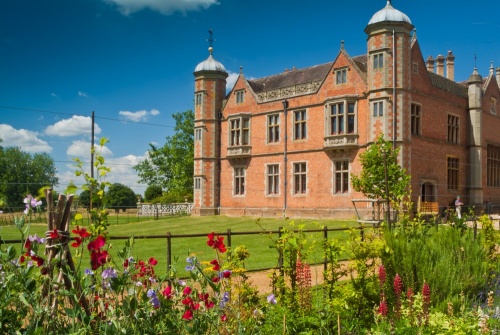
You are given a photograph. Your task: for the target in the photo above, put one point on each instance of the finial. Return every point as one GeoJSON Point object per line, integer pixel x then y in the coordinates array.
{"type": "Point", "coordinates": [475, 61]}
{"type": "Point", "coordinates": [211, 37]}
{"type": "Point", "coordinates": [388, 2]}
{"type": "Point", "coordinates": [414, 33]}
{"type": "Point", "coordinates": [342, 45]}
{"type": "Point", "coordinates": [241, 69]}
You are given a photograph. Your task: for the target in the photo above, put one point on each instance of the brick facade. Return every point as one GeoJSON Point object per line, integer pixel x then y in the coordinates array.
{"type": "Point", "coordinates": [287, 144]}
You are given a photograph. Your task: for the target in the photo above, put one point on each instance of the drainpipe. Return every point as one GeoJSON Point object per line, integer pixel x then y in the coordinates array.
{"type": "Point", "coordinates": [285, 158]}
{"type": "Point", "coordinates": [394, 111]}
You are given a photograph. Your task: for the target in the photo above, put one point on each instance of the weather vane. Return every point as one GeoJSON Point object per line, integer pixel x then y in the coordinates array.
{"type": "Point", "coordinates": [211, 39]}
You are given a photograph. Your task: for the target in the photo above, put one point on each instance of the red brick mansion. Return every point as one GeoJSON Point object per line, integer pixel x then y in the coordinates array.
{"type": "Point", "coordinates": [287, 144]}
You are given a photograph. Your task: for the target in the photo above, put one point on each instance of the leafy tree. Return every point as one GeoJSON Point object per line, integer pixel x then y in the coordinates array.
{"type": "Point", "coordinates": [84, 199]}
{"type": "Point", "coordinates": [152, 192]}
{"type": "Point", "coordinates": [171, 166]}
{"type": "Point", "coordinates": [22, 173]}
{"type": "Point", "coordinates": [120, 196]}
{"type": "Point", "coordinates": [382, 177]}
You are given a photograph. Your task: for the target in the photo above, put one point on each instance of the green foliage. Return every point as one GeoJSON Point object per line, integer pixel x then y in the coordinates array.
{"type": "Point", "coordinates": [171, 166]}
{"type": "Point", "coordinates": [84, 199]}
{"type": "Point", "coordinates": [22, 173]}
{"type": "Point", "coordinates": [382, 172]}
{"type": "Point", "coordinates": [152, 192]}
{"type": "Point", "coordinates": [119, 196]}
{"type": "Point", "coordinates": [451, 261]}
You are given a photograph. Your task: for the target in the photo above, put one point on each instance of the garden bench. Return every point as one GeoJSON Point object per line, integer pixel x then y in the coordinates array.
{"type": "Point", "coordinates": [427, 208]}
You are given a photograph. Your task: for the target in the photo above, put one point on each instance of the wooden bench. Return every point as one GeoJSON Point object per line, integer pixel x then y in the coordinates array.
{"type": "Point", "coordinates": [427, 208]}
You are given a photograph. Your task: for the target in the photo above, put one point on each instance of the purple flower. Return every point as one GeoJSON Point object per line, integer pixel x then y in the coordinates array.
{"type": "Point", "coordinates": [272, 299]}
{"type": "Point", "coordinates": [224, 300]}
{"type": "Point", "coordinates": [153, 298]}
{"type": "Point", "coordinates": [36, 239]}
{"type": "Point", "coordinates": [88, 272]}
{"type": "Point", "coordinates": [109, 273]}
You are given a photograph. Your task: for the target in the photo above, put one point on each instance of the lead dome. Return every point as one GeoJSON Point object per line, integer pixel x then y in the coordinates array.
{"type": "Point", "coordinates": [210, 64]}
{"type": "Point", "coordinates": [389, 13]}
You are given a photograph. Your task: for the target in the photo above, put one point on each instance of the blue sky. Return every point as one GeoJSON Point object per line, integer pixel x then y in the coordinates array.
{"type": "Point", "coordinates": [132, 61]}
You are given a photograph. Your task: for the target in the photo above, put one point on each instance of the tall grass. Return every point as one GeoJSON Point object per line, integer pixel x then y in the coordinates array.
{"type": "Point", "coordinates": [452, 261]}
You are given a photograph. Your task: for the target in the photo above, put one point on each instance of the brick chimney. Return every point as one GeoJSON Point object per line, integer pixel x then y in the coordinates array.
{"type": "Point", "coordinates": [450, 66]}
{"type": "Point", "coordinates": [430, 64]}
{"type": "Point", "coordinates": [440, 65]}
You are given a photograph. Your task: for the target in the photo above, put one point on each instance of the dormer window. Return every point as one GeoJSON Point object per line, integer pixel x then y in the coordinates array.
{"type": "Point", "coordinates": [493, 105]}
{"type": "Point", "coordinates": [240, 96]}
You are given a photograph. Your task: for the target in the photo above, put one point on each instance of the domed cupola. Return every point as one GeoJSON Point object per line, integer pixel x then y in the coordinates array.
{"type": "Point", "coordinates": [389, 13]}
{"type": "Point", "coordinates": [210, 64]}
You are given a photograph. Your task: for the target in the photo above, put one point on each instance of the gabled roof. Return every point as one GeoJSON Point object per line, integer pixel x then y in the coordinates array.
{"type": "Point", "coordinates": [290, 78]}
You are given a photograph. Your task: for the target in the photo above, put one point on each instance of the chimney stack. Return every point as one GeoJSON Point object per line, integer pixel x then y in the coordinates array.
{"type": "Point", "coordinates": [430, 64]}
{"type": "Point", "coordinates": [440, 65]}
{"type": "Point", "coordinates": [450, 66]}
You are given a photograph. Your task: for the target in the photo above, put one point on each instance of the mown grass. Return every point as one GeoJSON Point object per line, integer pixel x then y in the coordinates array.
{"type": "Point", "coordinates": [262, 255]}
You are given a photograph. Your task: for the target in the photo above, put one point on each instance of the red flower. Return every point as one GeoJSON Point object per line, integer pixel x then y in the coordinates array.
{"type": "Point", "coordinates": [39, 261]}
{"type": "Point", "coordinates": [54, 233]}
{"type": "Point", "coordinates": [426, 293]}
{"type": "Point", "coordinates": [152, 261]}
{"type": "Point", "coordinates": [188, 315]}
{"type": "Point", "coordinates": [226, 274]}
{"type": "Point", "coordinates": [216, 279]}
{"type": "Point", "coordinates": [383, 309]}
{"type": "Point", "coordinates": [381, 275]}
{"type": "Point", "coordinates": [21, 259]}
{"type": "Point", "coordinates": [187, 301]}
{"type": "Point", "coordinates": [81, 232]}
{"type": "Point", "coordinates": [98, 258]}
{"type": "Point", "coordinates": [223, 317]}
{"type": "Point", "coordinates": [97, 244]}
{"type": "Point", "coordinates": [187, 290]}
{"type": "Point", "coordinates": [398, 285]}
{"type": "Point", "coordinates": [27, 244]}
{"type": "Point", "coordinates": [216, 243]}
{"type": "Point", "coordinates": [167, 292]}
{"type": "Point", "coordinates": [215, 263]}
{"type": "Point", "coordinates": [77, 243]}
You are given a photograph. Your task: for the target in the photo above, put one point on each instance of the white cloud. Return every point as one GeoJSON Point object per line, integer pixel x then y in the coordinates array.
{"type": "Point", "coordinates": [82, 149]}
{"type": "Point", "coordinates": [231, 80]}
{"type": "Point", "coordinates": [76, 125]}
{"type": "Point", "coordinates": [53, 95]}
{"type": "Point", "coordinates": [122, 171]}
{"type": "Point", "coordinates": [165, 7]}
{"type": "Point", "coordinates": [25, 139]}
{"type": "Point", "coordinates": [138, 116]}
{"type": "Point", "coordinates": [82, 94]}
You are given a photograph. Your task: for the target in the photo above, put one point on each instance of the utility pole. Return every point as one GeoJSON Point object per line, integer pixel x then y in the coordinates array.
{"type": "Point", "coordinates": [91, 159]}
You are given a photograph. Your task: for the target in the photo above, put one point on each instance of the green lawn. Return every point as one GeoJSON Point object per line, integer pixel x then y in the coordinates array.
{"type": "Point", "coordinates": [261, 255]}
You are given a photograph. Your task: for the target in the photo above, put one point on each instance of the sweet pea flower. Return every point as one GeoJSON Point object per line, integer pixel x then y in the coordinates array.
{"type": "Point", "coordinates": [272, 299]}
{"type": "Point", "coordinates": [109, 273]}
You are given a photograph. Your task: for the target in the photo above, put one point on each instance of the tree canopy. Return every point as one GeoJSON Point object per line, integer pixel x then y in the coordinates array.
{"type": "Point", "coordinates": [152, 192]}
{"type": "Point", "coordinates": [382, 177]}
{"type": "Point", "coordinates": [22, 173]}
{"type": "Point", "coordinates": [171, 166]}
{"type": "Point", "coordinates": [120, 196]}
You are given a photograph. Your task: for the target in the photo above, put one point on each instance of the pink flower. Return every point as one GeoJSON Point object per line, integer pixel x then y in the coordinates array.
{"type": "Point", "coordinates": [187, 290]}
{"type": "Point", "coordinates": [168, 292]}
{"type": "Point", "coordinates": [382, 275]}
{"type": "Point", "coordinates": [398, 285]}
{"type": "Point", "coordinates": [188, 315]}
{"type": "Point", "coordinates": [383, 309]}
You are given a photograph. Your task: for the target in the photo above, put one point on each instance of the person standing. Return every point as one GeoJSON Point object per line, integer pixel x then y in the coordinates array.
{"type": "Point", "coordinates": [458, 207]}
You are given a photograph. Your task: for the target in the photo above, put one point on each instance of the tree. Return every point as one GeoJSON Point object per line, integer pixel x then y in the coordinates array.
{"type": "Point", "coordinates": [171, 166]}
{"type": "Point", "coordinates": [22, 173]}
{"type": "Point", "coordinates": [152, 192]}
{"type": "Point", "coordinates": [120, 196]}
{"type": "Point", "coordinates": [382, 177]}
{"type": "Point", "coordinates": [84, 199]}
